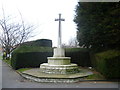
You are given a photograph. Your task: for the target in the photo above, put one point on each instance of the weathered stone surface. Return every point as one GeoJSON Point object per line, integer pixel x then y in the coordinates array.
{"type": "Point", "coordinates": [50, 79]}
{"type": "Point", "coordinates": [59, 69]}
{"type": "Point", "coordinates": [36, 75]}
{"type": "Point", "coordinates": [59, 64]}
{"type": "Point", "coordinates": [59, 60]}
{"type": "Point", "coordinates": [59, 52]}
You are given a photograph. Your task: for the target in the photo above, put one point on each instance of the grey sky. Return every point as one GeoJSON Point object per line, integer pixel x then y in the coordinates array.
{"type": "Point", "coordinates": [42, 14]}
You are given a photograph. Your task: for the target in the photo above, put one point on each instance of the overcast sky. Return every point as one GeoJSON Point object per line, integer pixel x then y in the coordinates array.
{"type": "Point", "coordinates": [42, 14]}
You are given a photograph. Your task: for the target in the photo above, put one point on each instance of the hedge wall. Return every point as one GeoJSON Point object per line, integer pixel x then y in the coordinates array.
{"type": "Point", "coordinates": [79, 56]}
{"type": "Point", "coordinates": [31, 56]}
{"type": "Point", "coordinates": [29, 59]}
{"type": "Point", "coordinates": [107, 63]}
{"type": "Point", "coordinates": [39, 42]}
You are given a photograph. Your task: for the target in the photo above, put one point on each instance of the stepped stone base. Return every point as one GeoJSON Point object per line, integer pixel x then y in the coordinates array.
{"type": "Point", "coordinates": [36, 75]}
{"type": "Point", "coordinates": [59, 69]}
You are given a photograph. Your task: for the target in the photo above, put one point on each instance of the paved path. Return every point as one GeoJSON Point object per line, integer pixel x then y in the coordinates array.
{"type": "Point", "coordinates": [0, 74]}
{"type": "Point", "coordinates": [11, 79]}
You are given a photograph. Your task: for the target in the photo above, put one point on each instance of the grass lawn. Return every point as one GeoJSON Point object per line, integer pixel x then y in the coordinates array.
{"type": "Point", "coordinates": [8, 62]}
{"type": "Point", "coordinates": [0, 57]}
{"type": "Point", "coordinates": [95, 76]}
{"type": "Point", "coordinates": [23, 69]}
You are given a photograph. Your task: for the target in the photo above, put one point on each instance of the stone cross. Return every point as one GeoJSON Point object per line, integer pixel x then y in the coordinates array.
{"type": "Point", "coordinates": [59, 31]}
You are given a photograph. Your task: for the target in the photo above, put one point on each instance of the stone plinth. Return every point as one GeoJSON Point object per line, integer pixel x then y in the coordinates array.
{"type": "Point", "coordinates": [59, 57]}
{"type": "Point", "coordinates": [59, 52]}
{"type": "Point", "coordinates": [59, 69]}
{"type": "Point", "coordinates": [58, 60]}
{"type": "Point", "coordinates": [59, 64]}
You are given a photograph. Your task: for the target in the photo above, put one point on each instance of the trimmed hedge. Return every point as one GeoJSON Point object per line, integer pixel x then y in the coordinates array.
{"type": "Point", "coordinates": [30, 56]}
{"type": "Point", "coordinates": [79, 56]}
{"type": "Point", "coordinates": [33, 56]}
{"type": "Point", "coordinates": [107, 63]}
{"type": "Point", "coordinates": [29, 59]}
{"type": "Point", "coordinates": [25, 48]}
{"type": "Point", "coordinates": [39, 42]}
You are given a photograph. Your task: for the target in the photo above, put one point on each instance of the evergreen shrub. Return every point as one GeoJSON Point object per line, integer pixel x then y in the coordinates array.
{"type": "Point", "coordinates": [107, 63]}
{"type": "Point", "coordinates": [39, 42]}
{"type": "Point", "coordinates": [30, 56]}
{"type": "Point", "coordinates": [33, 56]}
{"type": "Point", "coordinates": [79, 56]}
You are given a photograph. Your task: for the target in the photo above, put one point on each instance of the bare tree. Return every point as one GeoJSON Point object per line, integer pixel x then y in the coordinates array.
{"type": "Point", "coordinates": [13, 33]}
{"type": "Point", "coordinates": [73, 42]}
{"type": "Point", "coordinates": [64, 45]}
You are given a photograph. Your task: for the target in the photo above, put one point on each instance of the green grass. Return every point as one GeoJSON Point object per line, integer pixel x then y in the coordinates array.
{"type": "Point", "coordinates": [95, 77]}
{"type": "Point", "coordinates": [8, 62]}
{"type": "Point", "coordinates": [23, 69]}
{"type": "Point", "coordinates": [0, 57]}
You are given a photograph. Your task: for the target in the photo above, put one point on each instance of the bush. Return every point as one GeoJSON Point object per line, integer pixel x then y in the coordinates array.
{"type": "Point", "coordinates": [33, 56]}
{"type": "Point", "coordinates": [39, 42]}
{"type": "Point", "coordinates": [107, 63]}
{"type": "Point", "coordinates": [25, 57]}
{"type": "Point", "coordinates": [25, 48]}
{"type": "Point", "coordinates": [29, 59]}
{"type": "Point", "coordinates": [79, 56]}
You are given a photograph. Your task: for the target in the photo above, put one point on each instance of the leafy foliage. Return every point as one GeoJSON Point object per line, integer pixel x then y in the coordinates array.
{"type": "Point", "coordinates": [32, 56]}
{"type": "Point", "coordinates": [107, 63]}
{"type": "Point", "coordinates": [79, 56]}
{"type": "Point", "coordinates": [98, 24]}
{"type": "Point", "coordinates": [30, 59]}
{"type": "Point", "coordinates": [38, 42]}
{"type": "Point", "coordinates": [22, 49]}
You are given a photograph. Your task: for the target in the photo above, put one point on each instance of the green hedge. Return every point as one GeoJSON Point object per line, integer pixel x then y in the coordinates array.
{"type": "Point", "coordinates": [33, 56]}
{"type": "Point", "coordinates": [25, 48]}
{"type": "Point", "coordinates": [107, 63]}
{"type": "Point", "coordinates": [79, 56]}
{"type": "Point", "coordinates": [30, 56]}
{"type": "Point", "coordinates": [39, 42]}
{"type": "Point", "coordinates": [29, 59]}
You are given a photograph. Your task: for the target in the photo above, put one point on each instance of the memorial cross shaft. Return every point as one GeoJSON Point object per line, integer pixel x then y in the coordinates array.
{"type": "Point", "coordinates": [59, 31]}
